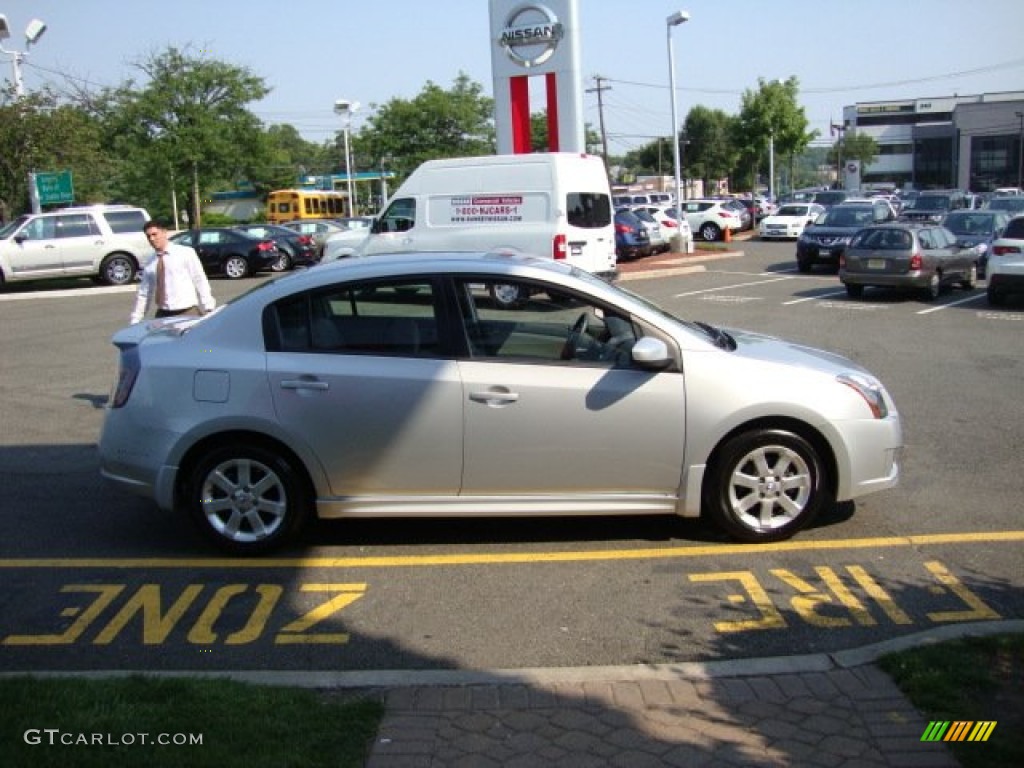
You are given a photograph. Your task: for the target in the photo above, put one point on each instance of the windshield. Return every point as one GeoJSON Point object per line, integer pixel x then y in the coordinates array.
{"type": "Point", "coordinates": [11, 228]}
{"type": "Point", "coordinates": [792, 210]}
{"type": "Point", "coordinates": [847, 217]}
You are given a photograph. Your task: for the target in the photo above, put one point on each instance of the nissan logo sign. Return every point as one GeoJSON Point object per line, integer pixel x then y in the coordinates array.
{"type": "Point", "coordinates": [531, 34]}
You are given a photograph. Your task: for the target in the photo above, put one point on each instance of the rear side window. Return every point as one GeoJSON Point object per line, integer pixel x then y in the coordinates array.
{"type": "Point", "coordinates": [125, 221]}
{"type": "Point", "coordinates": [76, 225]}
{"type": "Point", "coordinates": [588, 210]}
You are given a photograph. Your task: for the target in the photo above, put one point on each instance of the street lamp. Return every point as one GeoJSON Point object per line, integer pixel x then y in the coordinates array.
{"type": "Point", "coordinates": [33, 32]}
{"type": "Point", "coordinates": [677, 18]}
{"type": "Point", "coordinates": [345, 109]}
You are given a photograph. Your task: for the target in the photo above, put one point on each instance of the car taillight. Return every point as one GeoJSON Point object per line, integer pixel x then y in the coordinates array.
{"type": "Point", "coordinates": [668, 223]}
{"type": "Point", "coordinates": [842, 260]}
{"type": "Point", "coordinates": [916, 261]}
{"type": "Point", "coordinates": [127, 373]}
{"type": "Point", "coordinates": [559, 249]}
{"type": "Point", "coordinates": [305, 240]}
{"type": "Point", "coordinates": [266, 245]}
{"type": "Point", "coordinates": [1002, 250]}
{"type": "Point", "coordinates": [624, 229]}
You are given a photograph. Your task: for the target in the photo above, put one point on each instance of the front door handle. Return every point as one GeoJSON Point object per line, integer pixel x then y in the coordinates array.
{"type": "Point", "coordinates": [494, 398]}
{"type": "Point", "coordinates": [304, 383]}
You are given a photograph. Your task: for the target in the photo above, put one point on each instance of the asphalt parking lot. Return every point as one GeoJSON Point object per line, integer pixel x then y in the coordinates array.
{"type": "Point", "coordinates": [129, 587]}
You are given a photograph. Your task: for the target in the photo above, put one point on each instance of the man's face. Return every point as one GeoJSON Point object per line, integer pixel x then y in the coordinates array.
{"type": "Point", "coordinates": [157, 237]}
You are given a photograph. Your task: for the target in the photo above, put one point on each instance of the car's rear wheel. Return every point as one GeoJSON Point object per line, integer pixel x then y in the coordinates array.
{"type": "Point", "coordinates": [283, 263]}
{"type": "Point", "coordinates": [854, 291]}
{"type": "Point", "coordinates": [765, 485]}
{"type": "Point", "coordinates": [236, 267]}
{"type": "Point", "coordinates": [931, 291]}
{"type": "Point", "coordinates": [117, 269]}
{"type": "Point", "coordinates": [970, 281]}
{"type": "Point", "coordinates": [995, 298]}
{"type": "Point", "coordinates": [246, 499]}
{"type": "Point", "coordinates": [710, 232]}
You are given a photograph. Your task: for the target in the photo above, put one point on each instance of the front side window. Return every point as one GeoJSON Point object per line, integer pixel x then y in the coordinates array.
{"type": "Point", "coordinates": [391, 318]}
{"type": "Point", "coordinates": [541, 325]}
{"type": "Point", "coordinates": [42, 228]}
{"type": "Point", "coordinates": [399, 217]}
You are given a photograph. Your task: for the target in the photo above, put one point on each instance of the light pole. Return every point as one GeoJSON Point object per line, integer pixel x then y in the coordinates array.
{"type": "Point", "coordinates": [33, 32]}
{"type": "Point", "coordinates": [677, 18]}
{"type": "Point", "coordinates": [1020, 151]}
{"type": "Point", "coordinates": [345, 109]}
{"type": "Point", "coordinates": [771, 166]}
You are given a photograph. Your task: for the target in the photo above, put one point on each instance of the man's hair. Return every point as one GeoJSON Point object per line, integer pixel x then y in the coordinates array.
{"type": "Point", "coordinates": [154, 223]}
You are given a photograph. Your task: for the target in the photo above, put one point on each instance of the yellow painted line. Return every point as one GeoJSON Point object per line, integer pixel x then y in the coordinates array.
{"type": "Point", "coordinates": [473, 558]}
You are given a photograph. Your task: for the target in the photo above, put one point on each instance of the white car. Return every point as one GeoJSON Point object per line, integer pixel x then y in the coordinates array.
{"type": "Point", "coordinates": [1005, 270]}
{"type": "Point", "coordinates": [665, 215]}
{"type": "Point", "coordinates": [710, 218]}
{"type": "Point", "coordinates": [659, 237]}
{"type": "Point", "coordinates": [789, 220]}
{"type": "Point", "coordinates": [341, 245]}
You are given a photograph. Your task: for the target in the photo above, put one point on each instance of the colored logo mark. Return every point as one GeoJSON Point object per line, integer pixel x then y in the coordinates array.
{"type": "Point", "coordinates": [958, 730]}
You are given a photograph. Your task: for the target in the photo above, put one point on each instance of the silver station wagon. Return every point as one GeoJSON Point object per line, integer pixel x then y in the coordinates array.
{"type": "Point", "coordinates": [398, 386]}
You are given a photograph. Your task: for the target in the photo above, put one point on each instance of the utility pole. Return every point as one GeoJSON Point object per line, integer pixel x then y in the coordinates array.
{"type": "Point", "coordinates": [599, 89]}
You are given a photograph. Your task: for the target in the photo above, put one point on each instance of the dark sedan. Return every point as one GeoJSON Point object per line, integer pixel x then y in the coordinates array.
{"type": "Point", "coordinates": [297, 250]}
{"type": "Point", "coordinates": [226, 251]}
{"type": "Point", "coordinates": [977, 229]}
{"type": "Point", "coordinates": [631, 238]}
{"type": "Point", "coordinates": [824, 241]}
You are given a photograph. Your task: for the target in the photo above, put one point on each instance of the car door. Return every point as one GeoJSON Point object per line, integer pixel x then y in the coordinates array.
{"type": "Point", "coordinates": [34, 251]}
{"type": "Point", "coordinates": [81, 243]}
{"type": "Point", "coordinates": [956, 260]}
{"type": "Point", "coordinates": [551, 415]}
{"type": "Point", "coordinates": [357, 375]}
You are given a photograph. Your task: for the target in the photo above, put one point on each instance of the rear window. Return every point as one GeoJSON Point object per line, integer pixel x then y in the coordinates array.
{"type": "Point", "coordinates": [1015, 229]}
{"type": "Point", "coordinates": [125, 221]}
{"type": "Point", "coordinates": [882, 239]}
{"type": "Point", "coordinates": [588, 210]}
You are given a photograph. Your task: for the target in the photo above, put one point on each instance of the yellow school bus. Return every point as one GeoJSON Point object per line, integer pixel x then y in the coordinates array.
{"type": "Point", "coordinates": [299, 204]}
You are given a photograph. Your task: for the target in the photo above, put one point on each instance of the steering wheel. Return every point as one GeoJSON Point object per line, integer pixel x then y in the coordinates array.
{"type": "Point", "coordinates": [575, 334]}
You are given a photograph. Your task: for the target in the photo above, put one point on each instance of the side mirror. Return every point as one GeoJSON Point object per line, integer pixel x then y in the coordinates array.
{"type": "Point", "coordinates": [652, 353]}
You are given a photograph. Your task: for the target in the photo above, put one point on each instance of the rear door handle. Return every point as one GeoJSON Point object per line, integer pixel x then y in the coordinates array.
{"type": "Point", "coordinates": [494, 398]}
{"type": "Point", "coordinates": [304, 383]}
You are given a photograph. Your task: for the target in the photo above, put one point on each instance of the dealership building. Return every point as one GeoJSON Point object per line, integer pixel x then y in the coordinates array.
{"type": "Point", "coordinates": [959, 142]}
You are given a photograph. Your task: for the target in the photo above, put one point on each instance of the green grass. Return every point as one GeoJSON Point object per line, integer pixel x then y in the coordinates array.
{"type": "Point", "coordinates": [239, 724]}
{"type": "Point", "coordinates": [970, 679]}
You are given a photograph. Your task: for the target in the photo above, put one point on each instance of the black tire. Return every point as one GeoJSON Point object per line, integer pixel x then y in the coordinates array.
{"type": "Point", "coordinates": [246, 499]}
{"type": "Point", "coordinates": [933, 289]}
{"type": "Point", "coordinates": [283, 263]}
{"type": "Point", "coordinates": [236, 267]}
{"type": "Point", "coordinates": [710, 232]}
{"type": "Point", "coordinates": [117, 269]}
{"type": "Point", "coordinates": [804, 265]}
{"type": "Point", "coordinates": [995, 299]}
{"type": "Point", "coordinates": [854, 291]}
{"type": "Point", "coordinates": [765, 485]}
{"type": "Point", "coordinates": [970, 281]}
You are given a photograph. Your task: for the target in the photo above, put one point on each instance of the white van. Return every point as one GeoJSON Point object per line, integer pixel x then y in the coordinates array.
{"type": "Point", "coordinates": [555, 205]}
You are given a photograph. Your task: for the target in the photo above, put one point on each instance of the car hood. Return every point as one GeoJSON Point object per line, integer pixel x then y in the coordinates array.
{"type": "Point", "coordinates": [771, 349]}
{"type": "Point", "coordinates": [819, 230]}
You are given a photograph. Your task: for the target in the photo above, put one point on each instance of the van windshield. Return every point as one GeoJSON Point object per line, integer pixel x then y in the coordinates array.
{"type": "Point", "coordinates": [588, 210]}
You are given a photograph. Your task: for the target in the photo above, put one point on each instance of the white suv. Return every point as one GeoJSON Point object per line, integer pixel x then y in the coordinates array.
{"type": "Point", "coordinates": [1005, 270]}
{"type": "Point", "coordinates": [710, 218]}
{"type": "Point", "coordinates": [104, 242]}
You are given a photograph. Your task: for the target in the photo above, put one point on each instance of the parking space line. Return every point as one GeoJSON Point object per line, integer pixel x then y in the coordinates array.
{"type": "Point", "coordinates": [974, 297]}
{"type": "Point", "coordinates": [813, 298]}
{"type": "Point", "coordinates": [729, 287]}
{"type": "Point", "coordinates": [93, 291]}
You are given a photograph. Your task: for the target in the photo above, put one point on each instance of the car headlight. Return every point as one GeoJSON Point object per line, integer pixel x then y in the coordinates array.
{"type": "Point", "coordinates": [868, 388]}
{"type": "Point", "coordinates": [982, 247]}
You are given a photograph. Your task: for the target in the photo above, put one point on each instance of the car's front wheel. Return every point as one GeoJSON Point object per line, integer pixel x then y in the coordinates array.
{"type": "Point", "coordinates": [710, 232]}
{"type": "Point", "coordinates": [117, 269]}
{"type": "Point", "coordinates": [236, 267]}
{"type": "Point", "coordinates": [765, 485]}
{"type": "Point", "coordinates": [246, 499]}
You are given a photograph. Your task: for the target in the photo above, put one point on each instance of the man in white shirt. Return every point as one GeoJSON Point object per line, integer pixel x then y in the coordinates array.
{"type": "Point", "coordinates": [174, 280]}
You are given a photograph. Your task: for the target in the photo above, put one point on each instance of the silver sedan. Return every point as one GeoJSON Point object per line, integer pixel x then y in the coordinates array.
{"type": "Point", "coordinates": [397, 386]}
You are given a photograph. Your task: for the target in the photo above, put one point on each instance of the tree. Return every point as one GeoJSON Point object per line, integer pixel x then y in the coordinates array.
{"type": "Point", "coordinates": [853, 146]}
{"type": "Point", "coordinates": [187, 127]}
{"type": "Point", "coordinates": [771, 115]}
{"type": "Point", "coordinates": [37, 133]}
{"type": "Point", "coordinates": [437, 123]}
{"type": "Point", "coordinates": [706, 146]}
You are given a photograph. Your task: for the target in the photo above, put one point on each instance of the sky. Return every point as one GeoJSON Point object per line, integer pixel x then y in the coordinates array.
{"type": "Point", "coordinates": [313, 52]}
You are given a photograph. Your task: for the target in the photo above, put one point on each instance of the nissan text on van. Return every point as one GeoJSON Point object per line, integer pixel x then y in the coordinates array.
{"type": "Point", "coordinates": [553, 205]}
